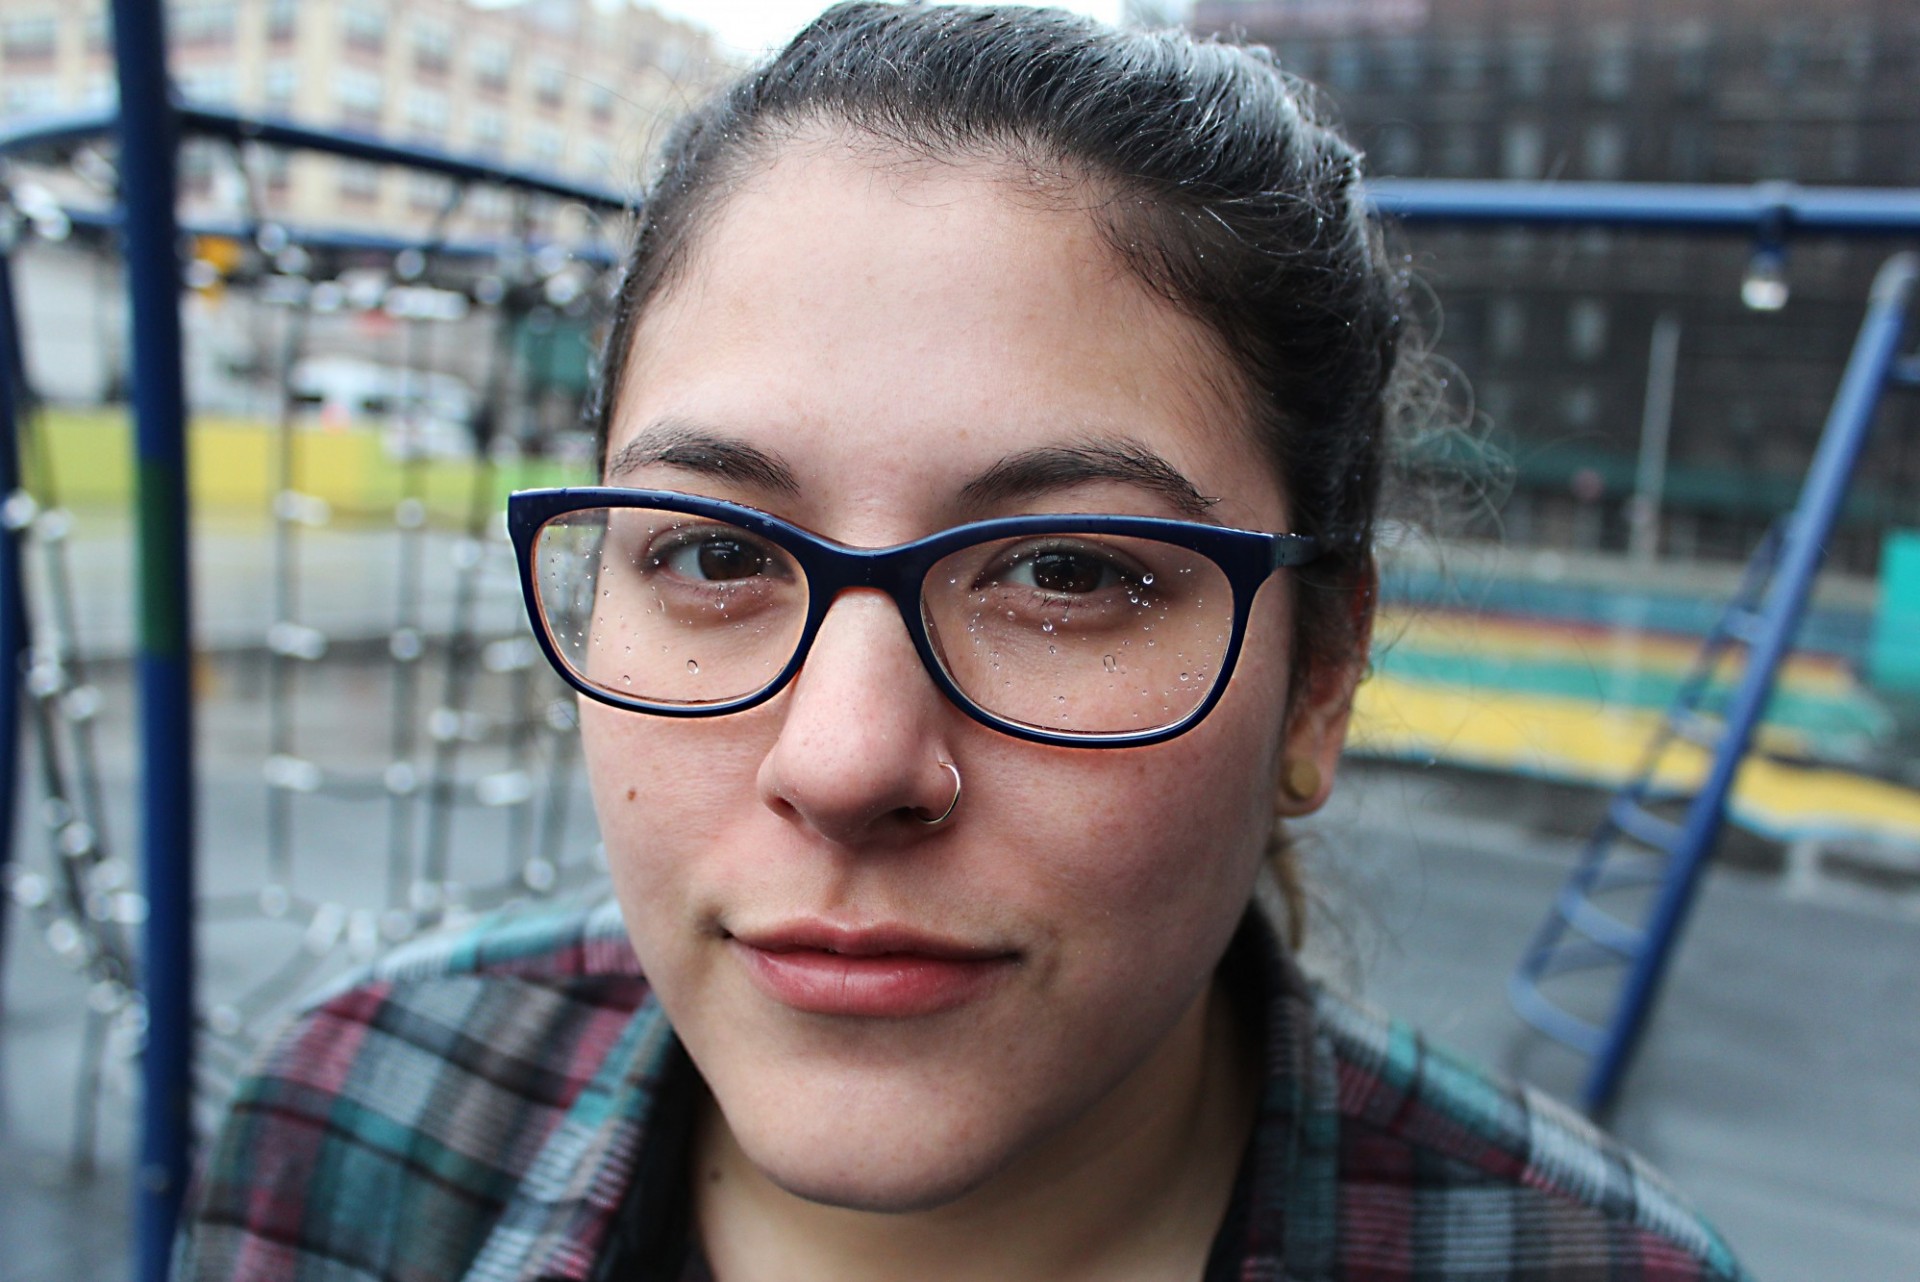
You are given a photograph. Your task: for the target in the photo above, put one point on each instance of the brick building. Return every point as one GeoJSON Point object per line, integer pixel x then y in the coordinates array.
{"type": "Point", "coordinates": [1553, 328]}
{"type": "Point", "coordinates": [571, 87]}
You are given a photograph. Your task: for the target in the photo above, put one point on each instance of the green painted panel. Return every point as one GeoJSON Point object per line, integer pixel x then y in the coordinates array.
{"type": "Point", "coordinates": [1894, 657]}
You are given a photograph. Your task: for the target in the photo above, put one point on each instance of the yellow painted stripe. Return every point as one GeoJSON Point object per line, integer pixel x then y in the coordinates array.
{"type": "Point", "coordinates": [1580, 741]}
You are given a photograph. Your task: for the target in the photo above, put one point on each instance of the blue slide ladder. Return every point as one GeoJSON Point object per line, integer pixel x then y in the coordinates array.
{"type": "Point", "coordinates": [1643, 857]}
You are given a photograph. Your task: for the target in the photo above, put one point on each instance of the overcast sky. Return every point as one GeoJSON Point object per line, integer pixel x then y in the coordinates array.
{"type": "Point", "coordinates": [752, 27]}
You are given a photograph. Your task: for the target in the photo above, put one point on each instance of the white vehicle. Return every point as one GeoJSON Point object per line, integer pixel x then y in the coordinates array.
{"type": "Point", "coordinates": [419, 412]}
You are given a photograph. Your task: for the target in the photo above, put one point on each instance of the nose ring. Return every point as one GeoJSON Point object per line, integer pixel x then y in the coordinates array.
{"type": "Point", "coordinates": [946, 814]}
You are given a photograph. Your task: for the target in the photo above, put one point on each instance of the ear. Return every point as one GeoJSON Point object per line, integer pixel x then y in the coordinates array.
{"type": "Point", "coordinates": [1318, 714]}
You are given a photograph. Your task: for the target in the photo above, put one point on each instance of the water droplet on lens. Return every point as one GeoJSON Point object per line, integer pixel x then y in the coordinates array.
{"type": "Point", "coordinates": [1186, 676]}
{"type": "Point", "coordinates": [1110, 663]}
{"type": "Point", "coordinates": [1146, 580]}
{"type": "Point", "coordinates": [1047, 626]}
{"type": "Point", "coordinates": [693, 665]}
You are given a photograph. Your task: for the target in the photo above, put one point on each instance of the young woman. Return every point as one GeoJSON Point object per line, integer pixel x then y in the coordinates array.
{"type": "Point", "coordinates": [993, 426]}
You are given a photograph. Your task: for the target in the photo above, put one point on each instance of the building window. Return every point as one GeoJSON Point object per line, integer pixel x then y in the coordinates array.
{"type": "Point", "coordinates": [364, 27]}
{"type": "Point", "coordinates": [1507, 326]}
{"type": "Point", "coordinates": [1529, 60]}
{"type": "Point", "coordinates": [1845, 153]}
{"type": "Point", "coordinates": [1611, 73]}
{"type": "Point", "coordinates": [1345, 68]}
{"type": "Point", "coordinates": [1856, 49]}
{"type": "Point", "coordinates": [549, 85]}
{"type": "Point", "coordinates": [1785, 48]}
{"type": "Point", "coordinates": [1587, 329]}
{"type": "Point", "coordinates": [432, 46]}
{"type": "Point", "coordinates": [207, 23]}
{"type": "Point", "coordinates": [492, 64]}
{"type": "Point", "coordinates": [275, 169]}
{"type": "Point", "coordinates": [545, 147]}
{"type": "Point", "coordinates": [31, 37]}
{"type": "Point", "coordinates": [283, 19]}
{"type": "Point", "coordinates": [1687, 151]}
{"type": "Point", "coordinates": [1297, 57]}
{"type": "Point", "coordinates": [1397, 150]}
{"type": "Point", "coordinates": [31, 96]}
{"type": "Point", "coordinates": [429, 191]}
{"type": "Point", "coordinates": [489, 132]}
{"type": "Point", "coordinates": [1467, 64]}
{"type": "Point", "coordinates": [600, 101]}
{"type": "Point", "coordinates": [360, 96]}
{"type": "Point", "coordinates": [1401, 63]}
{"type": "Point", "coordinates": [1605, 148]}
{"type": "Point", "coordinates": [1523, 149]}
{"type": "Point", "coordinates": [1580, 406]}
{"type": "Point", "coordinates": [427, 114]}
{"type": "Point", "coordinates": [279, 85]}
{"type": "Point", "coordinates": [1460, 152]}
{"type": "Point", "coordinates": [208, 84]}
{"type": "Point", "coordinates": [359, 180]}
{"type": "Point", "coordinates": [1691, 56]}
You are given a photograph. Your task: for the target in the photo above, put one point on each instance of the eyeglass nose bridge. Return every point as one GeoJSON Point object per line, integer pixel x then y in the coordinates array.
{"type": "Point", "coordinates": [896, 573]}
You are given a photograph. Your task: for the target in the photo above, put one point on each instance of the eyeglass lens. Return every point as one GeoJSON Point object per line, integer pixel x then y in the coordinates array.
{"type": "Point", "coordinates": [1070, 633]}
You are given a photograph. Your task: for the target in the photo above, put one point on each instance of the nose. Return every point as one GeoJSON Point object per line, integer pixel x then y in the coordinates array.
{"type": "Point", "coordinates": [858, 756]}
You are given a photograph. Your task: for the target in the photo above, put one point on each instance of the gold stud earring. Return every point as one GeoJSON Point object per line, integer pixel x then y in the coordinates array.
{"type": "Point", "coordinates": [1300, 779]}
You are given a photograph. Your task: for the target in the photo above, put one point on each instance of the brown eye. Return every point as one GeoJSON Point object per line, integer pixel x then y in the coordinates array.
{"type": "Point", "coordinates": [1068, 573]}
{"type": "Point", "coordinates": [717, 556]}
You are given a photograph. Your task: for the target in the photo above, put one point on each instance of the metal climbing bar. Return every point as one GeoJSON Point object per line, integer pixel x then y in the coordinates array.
{"type": "Point", "coordinates": [148, 138]}
{"type": "Point", "coordinates": [1764, 619]}
{"type": "Point", "coordinates": [12, 592]}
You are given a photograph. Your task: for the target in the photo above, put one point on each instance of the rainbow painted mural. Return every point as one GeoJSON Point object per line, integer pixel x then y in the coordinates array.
{"type": "Point", "coordinates": [1580, 703]}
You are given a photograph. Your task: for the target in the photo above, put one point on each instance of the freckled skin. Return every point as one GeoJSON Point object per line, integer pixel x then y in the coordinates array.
{"type": "Point", "coordinates": [892, 332]}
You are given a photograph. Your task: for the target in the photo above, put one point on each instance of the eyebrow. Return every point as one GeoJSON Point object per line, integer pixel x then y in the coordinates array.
{"type": "Point", "coordinates": [693, 449]}
{"type": "Point", "coordinates": [1039, 471]}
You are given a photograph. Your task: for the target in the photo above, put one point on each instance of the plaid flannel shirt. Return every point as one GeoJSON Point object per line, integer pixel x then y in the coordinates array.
{"type": "Point", "coordinates": [476, 1106]}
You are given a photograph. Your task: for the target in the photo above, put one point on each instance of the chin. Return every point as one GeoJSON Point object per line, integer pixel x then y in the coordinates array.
{"type": "Point", "coordinates": [879, 1187]}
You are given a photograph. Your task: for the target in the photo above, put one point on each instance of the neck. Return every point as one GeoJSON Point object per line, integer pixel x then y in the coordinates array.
{"type": "Point", "coordinates": [1131, 1191]}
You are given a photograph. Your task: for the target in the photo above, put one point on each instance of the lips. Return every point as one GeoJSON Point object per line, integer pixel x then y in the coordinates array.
{"type": "Point", "coordinates": [884, 972]}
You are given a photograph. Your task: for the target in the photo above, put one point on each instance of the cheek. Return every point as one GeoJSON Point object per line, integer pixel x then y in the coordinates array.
{"type": "Point", "coordinates": [664, 791]}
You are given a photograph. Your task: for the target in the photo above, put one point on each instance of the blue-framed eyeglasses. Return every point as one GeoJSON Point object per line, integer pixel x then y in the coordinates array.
{"type": "Point", "coordinates": [1083, 630]}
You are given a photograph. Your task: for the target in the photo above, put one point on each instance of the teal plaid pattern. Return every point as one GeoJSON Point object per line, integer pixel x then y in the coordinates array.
{"type": "Point", "coordinates": [475, 1106]}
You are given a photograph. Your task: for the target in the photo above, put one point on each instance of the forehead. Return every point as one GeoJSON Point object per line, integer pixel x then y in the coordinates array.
{"type": "Point", "coordinates": [892, 328]}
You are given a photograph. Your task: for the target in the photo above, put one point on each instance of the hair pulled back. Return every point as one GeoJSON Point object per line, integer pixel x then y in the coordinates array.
{"type": "Point", "coordinates": [1220, 184]}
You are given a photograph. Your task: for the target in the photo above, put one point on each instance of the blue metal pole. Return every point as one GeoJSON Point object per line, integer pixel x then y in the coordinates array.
{"type": "Point", "coordinates": [148, 138]}
{"type": "Point", "coordinates": [1875, 352]}
{"type": "Point", "coordinates": [13, 623]}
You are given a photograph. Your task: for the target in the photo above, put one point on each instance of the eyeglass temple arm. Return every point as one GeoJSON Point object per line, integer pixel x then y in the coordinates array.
{"type": "Point", "coordinates": [1294, 549]}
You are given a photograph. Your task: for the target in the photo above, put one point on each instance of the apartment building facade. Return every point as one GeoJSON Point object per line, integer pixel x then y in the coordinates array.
{"type": "Point", "coordinates": [1553, 329]}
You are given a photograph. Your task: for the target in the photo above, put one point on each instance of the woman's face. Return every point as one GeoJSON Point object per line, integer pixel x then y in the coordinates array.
{"type": "Point", "coordinates": [890, 1013]}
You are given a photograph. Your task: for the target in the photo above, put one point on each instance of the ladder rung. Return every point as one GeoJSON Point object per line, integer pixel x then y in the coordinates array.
{"type": "Point", "coordinates": [1562, 959]}
{"type": "Point", "coordinates": [1646, 871]}
{"type": "Point", "coordinates": [1696, 729]}
{"type": "Point", "coordinates": [1744, 625]}
{"type": "Point", "coordinates": [1599, 925]}
{"type": "Point", "coordinates": [1643, 826]}
{"type": "Point", "coordinates": [1570, 1030]}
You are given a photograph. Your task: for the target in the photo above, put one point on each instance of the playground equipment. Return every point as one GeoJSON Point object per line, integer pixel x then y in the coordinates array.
{"type": "Point", "coordinates": [1637, 848]}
